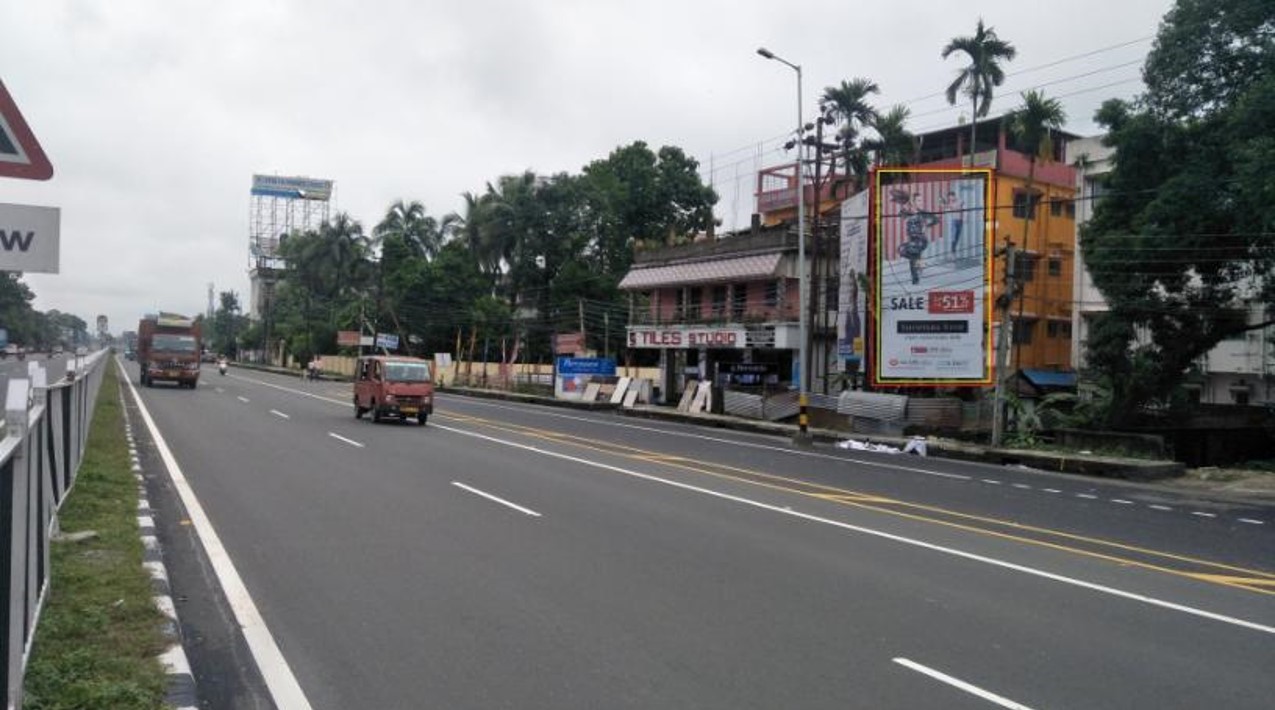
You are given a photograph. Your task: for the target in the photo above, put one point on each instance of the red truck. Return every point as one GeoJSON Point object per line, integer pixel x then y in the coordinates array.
{"type": "Point", "coordinates": [168, 347]}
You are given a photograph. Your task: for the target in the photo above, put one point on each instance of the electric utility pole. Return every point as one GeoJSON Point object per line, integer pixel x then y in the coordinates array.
{"type": "Point", "coordinates": [1003, 369]}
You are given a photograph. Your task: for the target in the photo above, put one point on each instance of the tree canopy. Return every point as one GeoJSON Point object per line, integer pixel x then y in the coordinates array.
{"type": "Point", "coordinates": [1184, 240]}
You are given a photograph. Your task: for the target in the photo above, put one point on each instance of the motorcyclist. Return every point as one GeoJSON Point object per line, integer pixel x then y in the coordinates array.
{"type": "Point", "coordinates": [222, 364]}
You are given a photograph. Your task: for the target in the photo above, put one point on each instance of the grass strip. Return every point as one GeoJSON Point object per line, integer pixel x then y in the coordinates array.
{"type": "Point", "coordinates": [99, 632]}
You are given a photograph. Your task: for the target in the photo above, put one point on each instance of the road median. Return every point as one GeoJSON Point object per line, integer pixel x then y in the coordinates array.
{"type": "Point", "coordinates": [99, 635]}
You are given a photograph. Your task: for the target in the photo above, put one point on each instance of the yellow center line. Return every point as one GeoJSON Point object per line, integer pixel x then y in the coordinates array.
{"type": "Point", "coordinates": [1248, 579]}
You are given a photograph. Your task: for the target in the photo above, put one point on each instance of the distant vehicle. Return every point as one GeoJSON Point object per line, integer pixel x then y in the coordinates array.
{"type": "Point", "coordinates": [168, 347]}
{"type": "Point", "coordinates": [10, 349]}
{"type": "Point", "coordinates": [208, 356]}
{"type": "Point", "coordinates": [390, 386]}
{"type": "Point", "coordinates": [56, 351]}
{"type": "Point", "coordinates": [81, 351]}
{"type": "Point", "coordinates": [130, 354]}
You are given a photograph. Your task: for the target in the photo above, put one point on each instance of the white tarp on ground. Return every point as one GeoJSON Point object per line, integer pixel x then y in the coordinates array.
{"type": "Point", "coordinates": [915, 445]}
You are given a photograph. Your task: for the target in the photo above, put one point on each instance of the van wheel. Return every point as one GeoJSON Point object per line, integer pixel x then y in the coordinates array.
{"type": "Point", "coordinates": [358, 411]}
{"type": "Point", "coordinates": [376, 412]}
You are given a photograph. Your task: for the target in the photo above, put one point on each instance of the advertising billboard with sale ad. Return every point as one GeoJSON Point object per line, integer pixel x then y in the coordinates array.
{"type": "Point", "coordinates": [932, 268]}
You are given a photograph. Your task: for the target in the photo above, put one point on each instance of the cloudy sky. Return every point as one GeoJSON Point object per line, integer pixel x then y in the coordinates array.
{"type": "Point", "coordinates": [156, 113]}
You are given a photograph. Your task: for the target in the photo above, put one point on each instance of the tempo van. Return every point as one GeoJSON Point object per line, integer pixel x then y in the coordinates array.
{"type": "Point", "coordinates": [393, 386]}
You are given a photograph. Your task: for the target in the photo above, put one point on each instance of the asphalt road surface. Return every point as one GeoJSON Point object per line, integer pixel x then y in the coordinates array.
{"type": "Point", "coordinates": [518, 556]}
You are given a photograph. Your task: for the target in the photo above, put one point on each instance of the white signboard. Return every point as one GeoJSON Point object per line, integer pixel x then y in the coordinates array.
{"type": "Point", "coordinates": [932, 270]}
{"type": "Point", "coordinates": [29, 238]}
{"type": "Point", "coordinates": [852, 308]}
{"type": "Point", "coordinates": [686, 337]}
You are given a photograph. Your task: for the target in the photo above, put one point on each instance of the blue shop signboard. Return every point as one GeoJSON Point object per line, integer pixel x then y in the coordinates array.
{"type": "Point", "coordinates": [568, 366]}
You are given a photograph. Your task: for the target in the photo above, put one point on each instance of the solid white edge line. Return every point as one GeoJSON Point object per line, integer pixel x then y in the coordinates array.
{"type": "Point", "coordinates": [274, 668]}
{"type": "Point", "coordinates": [351, 442]}
{"type": "Point", "coordinates": [958, 683]}
{"type": "Point", "coordinates": [494, 499]}
{"type": "Point", "coordinates": [1033, 571]}
{"type": "Point", "coordinates": [279, 414]}
{"type": "Point", "coordinates": [243, 399]}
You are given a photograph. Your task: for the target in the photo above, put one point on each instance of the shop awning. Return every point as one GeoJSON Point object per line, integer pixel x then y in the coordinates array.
{"type": "Point", "coordinates": [740, 268]}
{"type": "Point", "coordinates": [1051, 379]}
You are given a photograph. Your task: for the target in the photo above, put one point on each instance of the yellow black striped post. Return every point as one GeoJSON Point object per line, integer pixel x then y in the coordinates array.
{"type": "Point", "coordinates": [803, 419]}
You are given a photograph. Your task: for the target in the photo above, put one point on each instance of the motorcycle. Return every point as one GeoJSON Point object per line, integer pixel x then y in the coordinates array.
{"type": "Point", "coordinates": [221, 367]}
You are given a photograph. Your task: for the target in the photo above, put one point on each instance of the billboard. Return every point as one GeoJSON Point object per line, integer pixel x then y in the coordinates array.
{"type": "Point", "coordinates": [932, 271]}
{"type": "Point", "coordinates": [852, 307]}
{"type": "Point", "coordinates": [300, 188]}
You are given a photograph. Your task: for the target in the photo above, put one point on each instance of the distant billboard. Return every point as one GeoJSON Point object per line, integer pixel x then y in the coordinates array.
{"type": "Point", "coordinates": [932, 272]}
{"type": "Point", "coordinates": [297, 188]}
{"type": "Point", "coordinates": [852, 308]}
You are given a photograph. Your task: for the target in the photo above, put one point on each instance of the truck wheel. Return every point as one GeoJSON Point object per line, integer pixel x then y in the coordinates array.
{"type": "Point", "coordinates": [376, 412]}
{"type": "Point", "coordinates": [358, 411]}
{"type": "Point", "coordinates": [420, 418]}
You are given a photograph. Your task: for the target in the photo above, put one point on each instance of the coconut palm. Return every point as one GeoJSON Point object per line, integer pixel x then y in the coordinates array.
{"type": "Point", "coordinates": [985, 52]}
{"type": "Point", "coordinates": [848, 103]}
{"type": "Point", "coordinates": [1031, 127]}
{"type": "Point", "coordinates": [894, 144]}
{"type": "Point", "coordinates": [410, 222]}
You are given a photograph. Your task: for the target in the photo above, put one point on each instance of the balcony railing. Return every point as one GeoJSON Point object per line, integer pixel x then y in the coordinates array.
{"type": "Point", "coordinates": [718, 316]}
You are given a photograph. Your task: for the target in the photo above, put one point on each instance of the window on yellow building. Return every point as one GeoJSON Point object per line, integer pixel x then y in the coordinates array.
{"type": "Point", "coordinates": [1023, 331]}
{"type": "Point", "coordinates": [1058, 329]}
{"type": "Point", "coordinates": [1026, 269]}
{"type": "Point", "coordinates": [1055, 267]}
{"type": "Point", "coordinates": [1025, 208]}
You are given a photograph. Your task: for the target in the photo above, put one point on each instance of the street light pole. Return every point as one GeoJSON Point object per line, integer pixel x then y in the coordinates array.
{"type": "Point", "coordinates": [803, 421]}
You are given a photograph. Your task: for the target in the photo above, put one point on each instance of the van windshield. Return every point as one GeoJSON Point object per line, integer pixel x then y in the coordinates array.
{"type": "Point", "coordinates": [406, 372]}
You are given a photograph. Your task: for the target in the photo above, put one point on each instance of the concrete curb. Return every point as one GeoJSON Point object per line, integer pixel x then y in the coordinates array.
{"type": "Point", "coordinates": [180, 693]}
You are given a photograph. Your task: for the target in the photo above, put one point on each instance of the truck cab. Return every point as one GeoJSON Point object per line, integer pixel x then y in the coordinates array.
{"type": "Point", "coordinates": [393, 386]}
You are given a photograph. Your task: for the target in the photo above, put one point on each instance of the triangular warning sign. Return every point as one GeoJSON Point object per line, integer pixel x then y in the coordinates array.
{"type": "Point", "coordinates": [20, 154]}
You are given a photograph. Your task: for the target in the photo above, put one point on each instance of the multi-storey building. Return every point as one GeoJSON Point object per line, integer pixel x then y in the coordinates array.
{"type": "Point", "coordinates": [734, 299]}
{"type": "Point", "coordinates": [1034, 207]}
{"type": "Point", "coordinates": [1239, 370]}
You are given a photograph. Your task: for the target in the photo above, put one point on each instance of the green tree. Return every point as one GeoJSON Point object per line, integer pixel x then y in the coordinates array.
{"type": "Point", "coordinates": [893, 144]}
{"type": "Point", "coordinates": [1031, 127]}
{"type": "Point", "coordinates": [25, 325]}
{"type": "Point", "coordinates": [409, 222]}
{"type": "Point", "coordinates": [227, 325]}
{"type": "Point", "coordinates": [978, 79]}
{"type": "Point", "coordinates": [327, 270]}
{"type": "Point", "coordinates": [639, 196]}
{"type": "Point", "coordinates": [1181, 244]}
{"type": "Point", "coordinates": [848, 105]}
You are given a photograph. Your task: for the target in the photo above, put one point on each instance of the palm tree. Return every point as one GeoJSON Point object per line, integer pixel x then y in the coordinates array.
{"type": "Point", "coordinates": [1031, 128]}
{"type": "Point", "coordinates": [894, 144]}
{"type": "Point", "coordinates": [410, 222]}
{"type": "Point", "coordinates": [848, 103]}
{"type": "Point", "coordinates": [985, 52]}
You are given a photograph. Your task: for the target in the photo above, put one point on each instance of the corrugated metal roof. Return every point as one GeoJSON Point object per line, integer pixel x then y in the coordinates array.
{"type": "Point", "coordinates": [756, 266]}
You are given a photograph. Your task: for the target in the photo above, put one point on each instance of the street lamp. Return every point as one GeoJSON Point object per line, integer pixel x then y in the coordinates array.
{"type": "Point", "coordinates": [803, 435]}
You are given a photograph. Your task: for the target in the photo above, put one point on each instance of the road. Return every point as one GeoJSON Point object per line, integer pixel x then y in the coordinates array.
{"type": "Point", "coordinates": [518, 556]}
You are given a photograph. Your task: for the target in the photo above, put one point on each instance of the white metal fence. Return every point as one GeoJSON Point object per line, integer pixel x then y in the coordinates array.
{"type": "Point", "coordinates": [46, 425]}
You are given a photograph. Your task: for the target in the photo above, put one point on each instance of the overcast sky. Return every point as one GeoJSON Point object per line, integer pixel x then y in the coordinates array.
{"type": "Point", "coordinates": [156, 113]}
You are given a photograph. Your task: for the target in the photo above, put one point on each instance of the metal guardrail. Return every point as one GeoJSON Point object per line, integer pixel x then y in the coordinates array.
{"type": "Point", "coordinates": [46, 426]}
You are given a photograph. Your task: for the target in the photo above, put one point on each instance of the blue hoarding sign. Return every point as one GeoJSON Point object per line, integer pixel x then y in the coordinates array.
{"type": "Point", "coordinates": [387, 341]}
{"type": "Point", "coordinates": [586, 366]}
